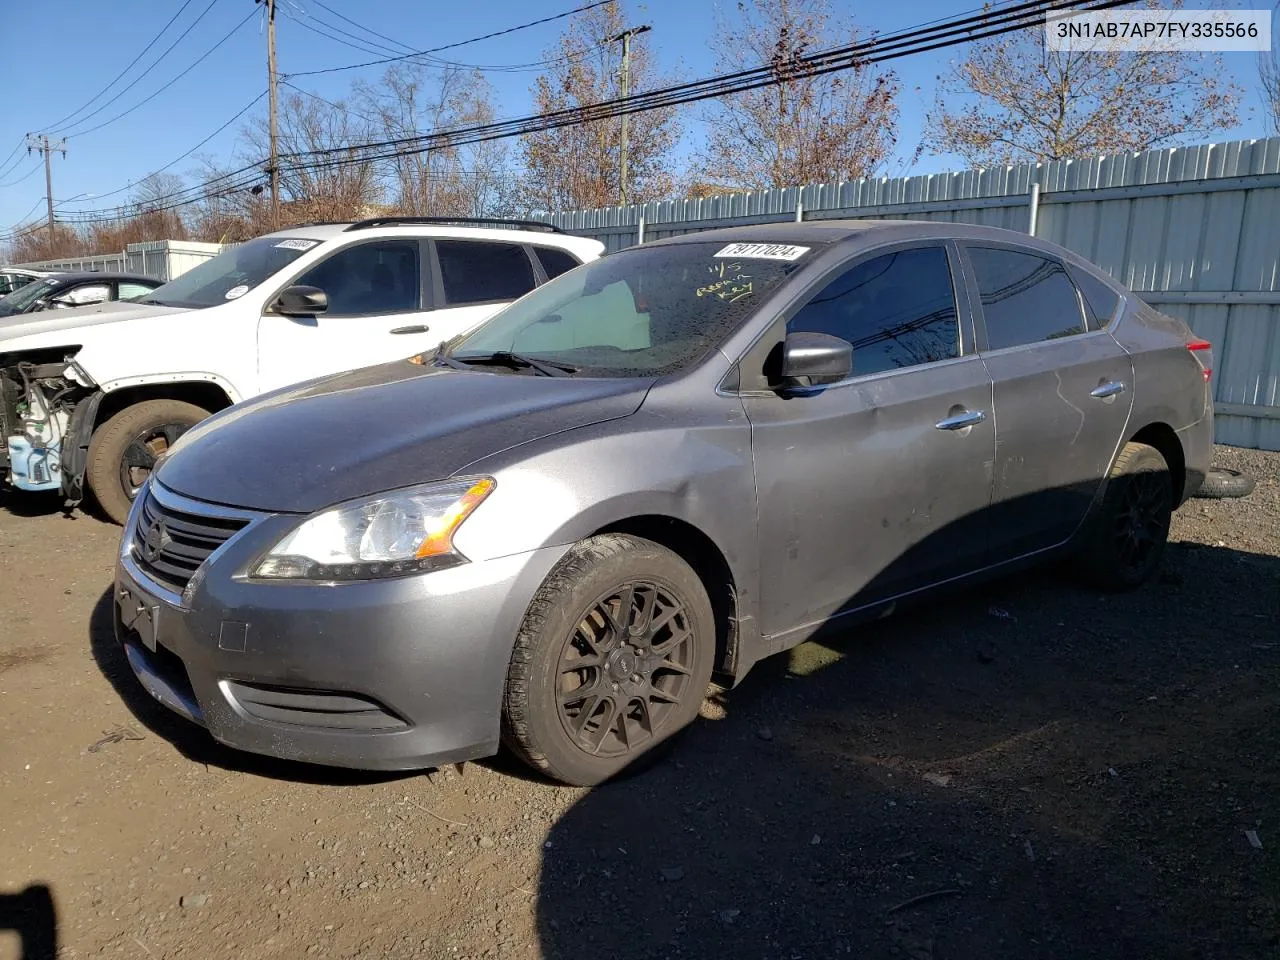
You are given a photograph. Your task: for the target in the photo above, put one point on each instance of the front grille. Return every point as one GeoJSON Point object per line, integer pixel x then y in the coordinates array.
{"type": "Point", "coordinates": [327, 709]}
{"type": "Point", "coordinates": [169, 544]}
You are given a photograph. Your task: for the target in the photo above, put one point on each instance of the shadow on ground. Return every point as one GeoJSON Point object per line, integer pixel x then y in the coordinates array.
{"type": "Point", "coordinates": [1031, 770]}
{"type": "Point", "coordinates": [32, 915]}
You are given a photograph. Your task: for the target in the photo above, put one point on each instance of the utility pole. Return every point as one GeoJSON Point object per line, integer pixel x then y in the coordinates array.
{"type": "Point", "coordinates": [273, 165]}
{"type": "Point", "coordinates": [625, 82]}
{"type": "Point", "coordinates": [44, 145]}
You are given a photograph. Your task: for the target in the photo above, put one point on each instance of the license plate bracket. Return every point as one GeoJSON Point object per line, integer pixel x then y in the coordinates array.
{"type": "Point", "coordinates": [141, 615]}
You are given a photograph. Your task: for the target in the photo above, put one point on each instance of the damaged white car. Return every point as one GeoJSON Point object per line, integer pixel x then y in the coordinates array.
{"type": "Point", "coordinates": [93, 396]}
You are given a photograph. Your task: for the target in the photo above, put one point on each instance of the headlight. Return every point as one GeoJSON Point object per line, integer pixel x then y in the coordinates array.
{"type": "Point", "coordinates": [390, 535]}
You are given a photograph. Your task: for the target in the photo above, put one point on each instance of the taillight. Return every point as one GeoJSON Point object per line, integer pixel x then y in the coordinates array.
{"type": "Point", "coordinates": [1202, 350]}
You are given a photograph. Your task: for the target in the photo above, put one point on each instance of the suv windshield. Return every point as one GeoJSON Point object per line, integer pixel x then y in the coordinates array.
{"type": "Point", "coordinates": [230, 274]}
{"type": "Point", "coordinates": [641, 312]}
{"type": "Point", "coordinates": [25, 296]}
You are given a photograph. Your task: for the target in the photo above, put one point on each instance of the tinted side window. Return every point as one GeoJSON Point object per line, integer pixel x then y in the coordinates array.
{"type": "Point", "coordinates": [369, 279]}
{"type": "Point", "coordinates": [898, 310]}
{"type": "Point", "coordinates": [1025, 298]}
{"type": "Point", "coordinates": [1100, 300]}
{"type": "Point", "coordinates": [555, 262]}
{"type": "Point", "coordinates": [475, 271]}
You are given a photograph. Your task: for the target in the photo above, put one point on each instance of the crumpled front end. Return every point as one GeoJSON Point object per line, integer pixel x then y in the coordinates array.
{"type": "Point", "coordinates": [46, 399]}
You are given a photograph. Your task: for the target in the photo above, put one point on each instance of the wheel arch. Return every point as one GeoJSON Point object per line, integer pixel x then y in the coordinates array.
{"type": "Point", "coordinates": [708, 561]}
{"type": "Point", "coordinates": [1164, 438]}
{"type": "Point", "coordinates": [209, 395]}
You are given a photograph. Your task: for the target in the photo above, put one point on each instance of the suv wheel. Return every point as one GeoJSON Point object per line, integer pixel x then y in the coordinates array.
{"type": "Point", "coordinates": [1132, 524]}
{"type": "Point", "coordinates": [125, 448]}
{"type": "Point", "coordinates": [614, 657]}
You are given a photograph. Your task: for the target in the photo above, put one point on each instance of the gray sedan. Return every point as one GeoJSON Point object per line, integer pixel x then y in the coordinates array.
{"type": "Point", "coordinates": [656, 468]}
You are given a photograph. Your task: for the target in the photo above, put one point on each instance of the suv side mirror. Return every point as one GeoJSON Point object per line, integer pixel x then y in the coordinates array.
{"type": "Point", "coordinates": [810, 359]}
{"type": "Point", "coordinates": [301, 301]}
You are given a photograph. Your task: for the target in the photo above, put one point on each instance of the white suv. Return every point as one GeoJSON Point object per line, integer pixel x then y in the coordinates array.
{"type": "Point", "coordinates": [100, 392]}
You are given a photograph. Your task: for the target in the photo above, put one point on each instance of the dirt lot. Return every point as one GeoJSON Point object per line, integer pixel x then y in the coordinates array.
{"type": "Point", "coordinates": [1033, 770]}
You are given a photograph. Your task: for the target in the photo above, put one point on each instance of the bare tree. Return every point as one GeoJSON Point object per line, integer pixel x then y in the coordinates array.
{"type": "Point", "coordinates": [1269, 78]}
{"type": "Point", "coordinates": [802, 129]}
{"type": "Point", "coordinates": [338, 186]}
{"type": "Point", "coordinates": [446, 180]}
{"type": "Point", "coordinates": [1012, 99]}
{"type": "Point", "coordinates": [578, 165]}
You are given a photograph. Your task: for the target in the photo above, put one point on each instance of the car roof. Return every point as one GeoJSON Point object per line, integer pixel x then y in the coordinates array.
{"type": "Point", "coordinates": [834, 231]}
{"type": "Point", "coordinates": [68, 276]}
{"type": "Point", "coordinates": [328, 231]}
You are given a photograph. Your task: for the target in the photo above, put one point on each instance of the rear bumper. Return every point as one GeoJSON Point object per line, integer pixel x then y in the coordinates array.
{"type": "Point", "coordinates": [385, 675]}
{"type": "Point", "coordinates": [1197, 449]}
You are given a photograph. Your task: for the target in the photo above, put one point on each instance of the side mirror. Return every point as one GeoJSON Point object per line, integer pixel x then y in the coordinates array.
{"type": "Point", "coordinates": [810, 359]}
{"type": "Point", "coordinates": [301, 301]}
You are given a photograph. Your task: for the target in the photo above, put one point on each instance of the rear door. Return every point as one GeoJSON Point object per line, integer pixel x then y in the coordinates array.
{"type": "Point", "coordinates": [876, 485]}
{"type": "Point", "coordinates": [476, 279]}
{"type": "Point", "coordinates": [377, 294]}
{"type": "Point", "coordinates": [1063, 392]}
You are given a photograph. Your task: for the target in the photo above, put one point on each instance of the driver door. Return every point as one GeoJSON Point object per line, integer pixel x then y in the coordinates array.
{"type": "Point", "coordinates": [378, 296]}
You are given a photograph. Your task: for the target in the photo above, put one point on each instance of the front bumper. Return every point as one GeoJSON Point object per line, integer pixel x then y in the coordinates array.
{"type": "Point", "coordinates": [381, 675]}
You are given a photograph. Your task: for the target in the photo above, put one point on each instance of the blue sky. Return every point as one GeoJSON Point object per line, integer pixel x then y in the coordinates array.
{"type": "Point", "coordinates": [52, 66]}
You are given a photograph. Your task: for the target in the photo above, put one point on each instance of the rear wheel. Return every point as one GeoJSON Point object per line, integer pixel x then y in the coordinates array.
{"type": "Point", "coordinates": [124, 450]}
{"type": "Point", "coordinates": [613, 658]}
{"type": "Point", "coordinates": [1131, 528]}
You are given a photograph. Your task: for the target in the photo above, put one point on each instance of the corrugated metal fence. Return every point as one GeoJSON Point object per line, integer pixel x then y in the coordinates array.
{"type": "Point", "coordinates": [160, 259]}
{"type": "Point", "coordinates": [1194, 230]}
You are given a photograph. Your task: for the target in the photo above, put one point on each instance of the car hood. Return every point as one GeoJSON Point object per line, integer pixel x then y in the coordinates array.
{"type": "Point", "coordinates": [305, 447]}
{"type": "Point", "coordinates": [51, 321]}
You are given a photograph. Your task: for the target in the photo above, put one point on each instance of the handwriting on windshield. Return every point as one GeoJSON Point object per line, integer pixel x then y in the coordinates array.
{"type": "Point", "coordinates": [730, 284]}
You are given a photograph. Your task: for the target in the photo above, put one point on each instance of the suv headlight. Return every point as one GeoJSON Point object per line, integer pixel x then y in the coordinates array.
{"type": "Point", "coordinates": [390, 535]}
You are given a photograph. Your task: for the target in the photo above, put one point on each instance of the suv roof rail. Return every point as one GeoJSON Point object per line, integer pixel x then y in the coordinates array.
{"type": "Point", "coordinates": [458, 221]}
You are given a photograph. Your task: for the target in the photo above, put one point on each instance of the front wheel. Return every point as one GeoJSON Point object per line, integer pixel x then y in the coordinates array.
{"type": "Point", "coordinates": [1131, 526]}
{"type": "Point", "coordinates": [124, 450]}
{"type": "Point", "coordinates": [613, 658]}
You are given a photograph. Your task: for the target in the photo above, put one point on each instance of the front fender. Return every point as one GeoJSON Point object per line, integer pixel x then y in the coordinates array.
{"type": "Point", "coordinates": [563, 489]}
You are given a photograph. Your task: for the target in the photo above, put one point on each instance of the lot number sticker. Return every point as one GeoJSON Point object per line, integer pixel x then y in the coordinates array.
{"type": "Point", "coordinates": [763, 251]}
{"type": "Point", "coordinates": [296, 244]}
{"type": "Point", "coordinates": [235, 292]}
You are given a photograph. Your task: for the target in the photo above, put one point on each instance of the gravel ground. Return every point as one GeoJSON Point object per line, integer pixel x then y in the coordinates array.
{"type": "Point", "coordinates": [1029, 770]}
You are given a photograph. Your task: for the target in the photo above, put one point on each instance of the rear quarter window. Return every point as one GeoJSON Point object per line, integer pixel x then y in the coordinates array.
{"type": "Point", "coordinates": [555, 261]}
{"type": "Point", "coordinates": [1100, 301]}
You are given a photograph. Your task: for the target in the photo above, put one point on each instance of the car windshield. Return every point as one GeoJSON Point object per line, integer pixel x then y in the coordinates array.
{"type": "Point", "coordinates": [642, 312]}
{"type": "Point", "coordinates": [25, 296]}
{"type": "Point", "coordinates": [231, 274]}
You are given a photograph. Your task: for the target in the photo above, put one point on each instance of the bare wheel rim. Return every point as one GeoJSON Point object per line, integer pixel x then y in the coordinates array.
{"type": "Point", "coordinates": [625, 669]}
{"type": "Point", "coordinates": [142, 452]}
{"type": "Point", "coordinates": [1142, 520]}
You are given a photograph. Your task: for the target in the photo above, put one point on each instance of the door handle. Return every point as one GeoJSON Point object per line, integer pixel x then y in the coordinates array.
{"type": "Point", "coordinates": [1106, 389]}
{"type": "Point", "coordinates": [961, 420]}
{"type": "Point", "coordinates": [418, 328]}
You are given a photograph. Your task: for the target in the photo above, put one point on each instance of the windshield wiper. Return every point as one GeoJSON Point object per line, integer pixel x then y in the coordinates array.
{"type": "Point", "coordinates": [153, 302]}
{"type": "Point", "coordinates": [546, 368]}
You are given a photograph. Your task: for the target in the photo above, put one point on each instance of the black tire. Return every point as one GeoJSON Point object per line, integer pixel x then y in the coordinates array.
{"type": "Point", "coordinates": [1128, 533]}
{"type": "Point", "coordinates": [142, 432]}
{"type": "Point", "coordinates": [575, 617]}
{"type": "Point", "coordinates": [1223, 484]}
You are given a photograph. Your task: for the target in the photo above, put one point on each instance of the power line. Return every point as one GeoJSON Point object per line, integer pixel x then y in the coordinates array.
{"type": "Point", "coordinates": [62, 124]}
{"type": "Point", "coordinates": [422, 57]}
{"type": "Point", "coordinates": [27, 176]}
{"type": "Point", "coordinates": [459, 43]}
{"type": "Point", "coordinates": [58, 123]}
{"type": "Point", "coordinates": [937, 35]}
{"type": "Point", "coordinates": [141, 103]}
{"type": "Point", "coordinates": [240, 113]}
